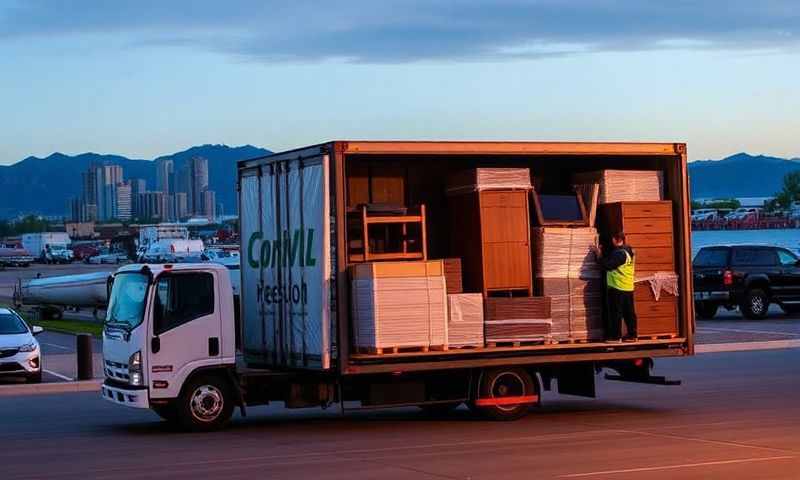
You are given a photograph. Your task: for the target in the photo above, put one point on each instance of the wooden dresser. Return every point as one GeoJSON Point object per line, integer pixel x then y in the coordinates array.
{"type": "Point", "coordinates": [648, 228]}
{"type": "Point", "coordinates": [491, 233]}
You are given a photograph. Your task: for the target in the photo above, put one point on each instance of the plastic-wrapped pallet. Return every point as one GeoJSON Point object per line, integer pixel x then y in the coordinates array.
{"type": "Point", "coordinates": [465, 320]}
{"type": "Point", "coordinates": [399, 305]}
{"type": "Point", "coordinates": [625, 185]}
{"type": "Point", "coordinates": [562, 252]}
{"type": "Point", "coordinates": [479, 179]}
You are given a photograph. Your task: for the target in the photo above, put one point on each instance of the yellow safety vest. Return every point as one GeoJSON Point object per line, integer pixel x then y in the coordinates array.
{"type": "Point", "coordinates": [621, 278]}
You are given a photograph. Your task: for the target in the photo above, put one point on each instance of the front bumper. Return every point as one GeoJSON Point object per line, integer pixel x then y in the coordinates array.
{"type": "Point", "coordinates": [21, 364]}
{"type": "Point", "coordinates": [721, 296]}
{"type": "Point", "coordinates": [136, 398]}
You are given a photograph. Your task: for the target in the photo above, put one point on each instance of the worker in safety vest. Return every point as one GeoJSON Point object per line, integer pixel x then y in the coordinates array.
{"type": "Point", "coordinates": [619, 266]}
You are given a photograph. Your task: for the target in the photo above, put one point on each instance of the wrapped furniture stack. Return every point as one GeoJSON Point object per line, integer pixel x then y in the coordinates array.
{"type": "Point", "coordinates": [567, 272]}
{"type": "Point", "coordinates": [648, 229]}
{"type": "Point", "coordinates": [465, 320]}
{"type": "Point", "coordinates": [489, 216]}
{"type": "Point", "coordinates": [399, 305]}
{"type": "Point", "coordinates": [625, 185]}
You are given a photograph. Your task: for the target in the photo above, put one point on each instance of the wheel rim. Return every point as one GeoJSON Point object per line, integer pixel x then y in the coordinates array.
{"type": "Point", "coordinates": [507, 384]}
{"type": "Point", "coordinates": [757, 304]}
{"type": "Point", "coordinates": [206, 403]}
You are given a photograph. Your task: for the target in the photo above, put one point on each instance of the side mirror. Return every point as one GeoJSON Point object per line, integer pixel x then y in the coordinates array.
{"type": "Point", "coordinates": [36, 329]}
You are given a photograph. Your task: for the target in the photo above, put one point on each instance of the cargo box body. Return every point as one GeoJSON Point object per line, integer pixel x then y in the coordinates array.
{"type": "Point", "coordinates": [296, 209]}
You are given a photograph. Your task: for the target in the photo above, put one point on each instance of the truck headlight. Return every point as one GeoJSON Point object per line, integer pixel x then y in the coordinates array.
{"type": "Point", "coordinates": [135, 369]}
{"type": "Point", "coordinates": [29, 347]}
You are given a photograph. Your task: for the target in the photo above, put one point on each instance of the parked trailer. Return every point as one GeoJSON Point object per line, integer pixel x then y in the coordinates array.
{"type": "Point", "coordinates": [175, 341]}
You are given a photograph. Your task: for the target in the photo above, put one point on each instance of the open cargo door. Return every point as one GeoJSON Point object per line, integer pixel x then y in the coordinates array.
{"type": "Point", "coordinates": [286, 272]}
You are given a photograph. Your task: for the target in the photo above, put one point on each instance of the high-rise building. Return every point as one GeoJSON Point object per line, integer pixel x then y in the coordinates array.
{"type": "Point", "coordinates": [124, 200]}
{"type": "Point", "coordinates": [165, 176]}
{"type": "Point", "coordinates": [106, 179]}
{"type": "Point", "coordinates": [209, 205]}
{"type": "Point", "coordinates": [88, 198]}
{"type": "Point", "coordinates": [150, 206]}
{"type": "Point", "coordinates": [181, 205]}
{"type": "Point", "coordinates": [138, 185]}
{"type": "Point", "coordinates": [198, 183]}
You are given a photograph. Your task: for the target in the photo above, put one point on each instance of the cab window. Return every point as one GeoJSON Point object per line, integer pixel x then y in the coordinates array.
{"type": "Point", "coordinates": [754, 257]}
{"type": "Point", "coordinates": [181, 298]}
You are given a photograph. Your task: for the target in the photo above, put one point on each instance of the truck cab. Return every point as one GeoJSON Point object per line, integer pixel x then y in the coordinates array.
{"type": "Point", "coordinates": [169, 331]}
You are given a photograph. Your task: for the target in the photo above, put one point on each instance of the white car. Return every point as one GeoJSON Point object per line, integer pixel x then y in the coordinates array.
{"type": "Point", "coordinates": [108, 257]}
{"type": "Point", "coordinates": [20, 355]}
{"type": "Point", "coordinates": [704, 214]}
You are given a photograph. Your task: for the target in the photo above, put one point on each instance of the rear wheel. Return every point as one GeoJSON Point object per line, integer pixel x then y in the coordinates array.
{"type": "Point", "coordinates": [504, 394]}
{"type": "Point", "coordinates": [755, 305]}
{"type": "Point", "coordinates": [205, 404]}
{"type": "Point", "coordinates": [706, 310]}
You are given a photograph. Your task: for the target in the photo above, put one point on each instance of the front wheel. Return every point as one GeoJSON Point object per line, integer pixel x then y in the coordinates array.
{"type": "Point", "coordinates": [755, 304]}
{"type": "Point", "coordinates": [706, 310]}
{"type": "Point", "coordinates": [505, 394]}
{"type": "Point", "coordinates": [205, 404]}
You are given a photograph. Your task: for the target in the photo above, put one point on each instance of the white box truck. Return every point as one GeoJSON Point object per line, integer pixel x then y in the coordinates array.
{"type": "Point", "coordinates": [48, 247]}
{"type": "Point", "coordinates": [179, 340]}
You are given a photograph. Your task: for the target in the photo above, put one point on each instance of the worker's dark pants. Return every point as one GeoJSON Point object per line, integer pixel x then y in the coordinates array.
{"type": "Point", "coordinates": [619, 307]}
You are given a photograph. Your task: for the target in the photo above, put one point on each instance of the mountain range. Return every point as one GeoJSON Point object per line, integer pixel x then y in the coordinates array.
{"type": "Point", "coordinates": [43, 185]}
{"type": "Point", "coordinates": [740, 175]}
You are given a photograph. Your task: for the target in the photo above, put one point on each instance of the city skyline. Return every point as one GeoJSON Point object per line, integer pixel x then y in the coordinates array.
{"type": "Point", "coordinates": [107, 196]}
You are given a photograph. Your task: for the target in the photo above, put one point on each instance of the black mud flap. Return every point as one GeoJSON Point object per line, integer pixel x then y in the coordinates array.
{"type": "Point", "coordinates": [576, 379]}
{"type": "Point", "coordinates": [637, 371]}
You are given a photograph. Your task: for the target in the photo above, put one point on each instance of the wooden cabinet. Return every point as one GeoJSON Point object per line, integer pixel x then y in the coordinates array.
{"type": "Point", "coordinates": [648, 229]}
{"type": "Point", "coordinates": [490, 231]}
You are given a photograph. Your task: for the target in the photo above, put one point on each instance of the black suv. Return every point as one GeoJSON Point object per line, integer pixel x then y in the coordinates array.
{"type": "Point", "coordinates": [748, 276]}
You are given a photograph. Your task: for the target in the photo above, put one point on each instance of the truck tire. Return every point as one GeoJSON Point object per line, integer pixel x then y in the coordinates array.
{"type": "Point", "coordinates": [706, 310]}
{"type": "Point", "coordinates": [205, 404]}
{"type": "Point", "coordinates": [505, 382]}
{"type": "Point", "coordinates": [755, 304]}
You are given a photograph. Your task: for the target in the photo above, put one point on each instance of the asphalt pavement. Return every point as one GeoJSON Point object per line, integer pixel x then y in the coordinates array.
{"type": "Point", "coordinates": [736, 416]}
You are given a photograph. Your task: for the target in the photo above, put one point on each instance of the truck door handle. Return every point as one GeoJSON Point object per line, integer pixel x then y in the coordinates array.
{"type": "Point", "coordinates": [213, 347]}
{"type": "Point", "coordinates": [155, 344]}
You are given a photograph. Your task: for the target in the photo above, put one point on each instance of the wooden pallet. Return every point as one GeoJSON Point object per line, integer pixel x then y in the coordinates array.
{"type": "Point", "coordinates": [525, 343]}
{"type": "Point", "coordinates": [668, 336]}
{"type": "Point", "coordinates": [395, 350]}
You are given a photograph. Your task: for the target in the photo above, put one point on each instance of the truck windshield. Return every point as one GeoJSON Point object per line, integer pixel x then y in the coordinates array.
{"type": "Point", "coordinates": [126, 305]}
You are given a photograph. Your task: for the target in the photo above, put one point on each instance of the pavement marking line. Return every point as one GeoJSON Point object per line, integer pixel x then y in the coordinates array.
{"type": "Point", "coordinates": [62, 377]}
{"type": "Point", "coordinates": [740, 330]}
{"type": "Point", "coordinates": [705, 440]}
{"type": "Point", "coordinates": [56, 346]}
{"type": "Point", "coordinates": [746, 346]}
{"type": "Point", "coordinates": [675, 467]}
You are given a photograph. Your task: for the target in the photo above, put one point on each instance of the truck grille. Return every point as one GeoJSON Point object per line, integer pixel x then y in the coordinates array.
{"type": "Point", "coordinates": [117, 371]}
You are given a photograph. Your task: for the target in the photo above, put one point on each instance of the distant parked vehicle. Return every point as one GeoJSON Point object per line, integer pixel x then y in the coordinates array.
{"type": "Point", "coordinates": [743, 213]}
{"type": "Point", "coordinates": [106, 256]}
{"type": "Point", "coordinates": [20, 355]}
{"type": "Point", "coordinates": [748, 276]}
{"type": "Point", "coordinates": [704, 214]}
{"type": "Point", "coordinates": [14, 257]}
{"type": "Point", "coordinates": [83, 252]}
{"type": "Point", "coordinates": [48, 247]}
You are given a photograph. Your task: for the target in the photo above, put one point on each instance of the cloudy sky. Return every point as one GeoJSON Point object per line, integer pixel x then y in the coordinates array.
{"type": "Point", "coordinates": [143, 78]}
